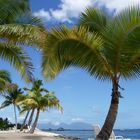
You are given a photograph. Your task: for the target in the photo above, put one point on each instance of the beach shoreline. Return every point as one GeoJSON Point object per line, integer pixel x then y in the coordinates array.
{"type": "Point", "coordinates": [38, 135]}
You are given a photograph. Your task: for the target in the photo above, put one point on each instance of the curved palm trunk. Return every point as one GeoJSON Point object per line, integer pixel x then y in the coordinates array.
{"type": "Point", "coordinates": [27, 114]}
{"type": "Point", "coordinates": [15, 116]}
{"type": "Point", "coordinates": [112, 114]}
{"type": "Point", "coordinates": [31, 117]}
{"type": "Point", "coordinates": [35, 122]}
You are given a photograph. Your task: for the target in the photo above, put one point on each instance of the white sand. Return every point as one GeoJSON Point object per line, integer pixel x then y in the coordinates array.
{"type": "Point", "coordinates": [37, 132]}
{"type": "Point", "coordinates": [38, 135]}
{"type": "Point", "coordinates": [43, 133]}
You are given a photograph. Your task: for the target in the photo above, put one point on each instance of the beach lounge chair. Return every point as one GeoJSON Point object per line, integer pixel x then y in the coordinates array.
{"type": "Point", "coordinates": [97, 129]}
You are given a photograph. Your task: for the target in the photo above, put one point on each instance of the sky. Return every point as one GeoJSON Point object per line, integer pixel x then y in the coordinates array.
{"type": "Point", "coordinates": [83, 98]}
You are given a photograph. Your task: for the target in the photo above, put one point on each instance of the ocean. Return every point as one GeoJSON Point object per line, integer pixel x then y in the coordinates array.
{"type": "Point", "coordinates": [85, 134]}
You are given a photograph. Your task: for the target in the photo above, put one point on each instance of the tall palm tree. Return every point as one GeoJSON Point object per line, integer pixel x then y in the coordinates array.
{"type": "Point", "coordinates": [11, 99]}
{"type": "Point", "coordinates": [42, 103]}
{"type": "Point", "coordinates": [107, 48]}
{"type": "Point", "coordinates": [37, 87]}
{"type": "Point", "coordinates": [35, 100]}
{"type": "Point", "coordinates": [25, 107]}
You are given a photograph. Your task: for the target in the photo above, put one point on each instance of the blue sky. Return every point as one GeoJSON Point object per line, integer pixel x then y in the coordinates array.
{"type": "Point", "coordinates": [83, 98]}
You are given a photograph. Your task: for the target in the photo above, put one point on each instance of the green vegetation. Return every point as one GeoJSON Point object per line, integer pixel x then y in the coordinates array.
{"type": "Point", "coordinates": [107, 49]}
{"type": "Point", "coordinates": [5, 80]}
{"type": "Point", "coordinates": [10, 99]}
{"type": "Point", "coordinates": [39, 99]}
{"type": "Point", "coordinates": [14, 32]}
{"type": "Point", "coordinates": [5, 124]}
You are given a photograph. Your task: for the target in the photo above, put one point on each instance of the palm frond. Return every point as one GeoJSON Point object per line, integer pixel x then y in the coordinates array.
{"type": "Point", "coordinates": [23, 34]}
{"type": "Point", "coordinates": [5, 104]}
{"type": "Point", "coordinates": [5, 75]}
{"type": "Point", "coordinates": [121, 37]}
{"type": "Point", "coordinates": [28, 18]}
{"type": "Point", "coordinates": [76, 47]}
{"type": "Point", "coordinates": [10, 9]}
{"type": "Point", "coordinates": [94, 19]}
{"type": "Point", "coordinates": [17, 58]}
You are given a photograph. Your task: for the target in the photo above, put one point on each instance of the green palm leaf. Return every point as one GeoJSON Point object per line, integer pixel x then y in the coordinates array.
{"type": "Point", "coordinates": [17, 58]}
{"type": "Point", "coordinates": [23, 34]}
{"type": "Point", "coordinates": [76, 47]}
{"type": "Point", "coordinates": [94, 19]}
{"type": "Point", "coordinates": [5, 80]}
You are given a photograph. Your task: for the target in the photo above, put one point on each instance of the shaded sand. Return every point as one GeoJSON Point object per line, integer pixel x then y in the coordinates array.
{"type": "Point", "coordinates": [38, 135]}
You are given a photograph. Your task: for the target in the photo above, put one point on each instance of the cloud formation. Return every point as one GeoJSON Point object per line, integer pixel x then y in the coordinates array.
{"type": "Point", "coordinates": [43, 14]}
{"type": "Point", "coordinates": [69, 9]}
{"type": "Point", "coordinates": [77, 119]}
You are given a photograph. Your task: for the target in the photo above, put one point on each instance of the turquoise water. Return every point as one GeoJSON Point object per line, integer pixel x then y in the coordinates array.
{"type": "Point", "coordinates": [84, 135]}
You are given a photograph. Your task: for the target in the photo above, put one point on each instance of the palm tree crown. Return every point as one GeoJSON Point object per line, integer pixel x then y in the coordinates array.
{"type": "Point", "coordinates": [109, 48]}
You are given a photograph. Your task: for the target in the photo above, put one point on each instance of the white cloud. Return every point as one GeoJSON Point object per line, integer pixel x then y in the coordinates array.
{"type": "Point", "coordinates": [48, 121]}
{"type": "Point", "coordinates": [68, 9]}
{"type": "Point", "coordinates": [43, 120]}
{"type": "Point", "coordinates": [43, 14]}
{"type": "Point", "coordinates": [56, 123]}
{"type": "Point", "coordinates": [117, 4]}
{"type": "Point", "coordinates": [77, 119]}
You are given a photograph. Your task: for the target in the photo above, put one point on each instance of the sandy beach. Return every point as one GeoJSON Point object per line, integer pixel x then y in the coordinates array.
{"type": "Point", "coordinates": [38, 135]}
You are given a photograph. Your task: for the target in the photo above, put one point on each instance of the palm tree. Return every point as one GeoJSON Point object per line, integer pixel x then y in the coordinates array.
{"type": "Point", "coordinates": [11, 99]}
{"type": "Point", "coordinates": [107, 48]}
{"type": "Point", "coordinates": [15, 31]}
{"type": "Point", "coordinates": [36, 101]}
{"type": "Point", "coordinates": [25, 107]}
{"type": "Point", "coordinates": [42, 103]}
{"type": "Point", "coordinates": [35, 88]}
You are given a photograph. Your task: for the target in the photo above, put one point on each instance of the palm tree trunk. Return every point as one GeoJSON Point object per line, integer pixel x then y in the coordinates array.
{"type": "Point", "coordinates": [112, 114]}
{"type": "Point", "coordinates": [35, 122]}
{"type": "Point", "coordinates": [15, 116]}
{"type": "Point", "coordinates": [27, 114]}
{"type": "Point", "coordinates": [31, 117]}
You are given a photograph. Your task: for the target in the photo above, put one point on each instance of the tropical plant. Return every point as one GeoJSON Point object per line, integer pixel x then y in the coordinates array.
{"type": "Point", "coordinates": [108, 49]}
{"type": "Point", "coordinates": [35, 100]}
{"type": "Point", "coordinates": [37, 87]}
{"type": "Point", "coordinates": [11, 99]}
{"type": "Point", "coordinates": [5, 124]}
{"type": "Point", "coordinates": [42, 103]}
{"type": "Point", "coordinates": [10, 9]}
{"type": "Point", "coordinates": [17, 12]}
{"type": "Point", "coordinates": [15, 31]}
